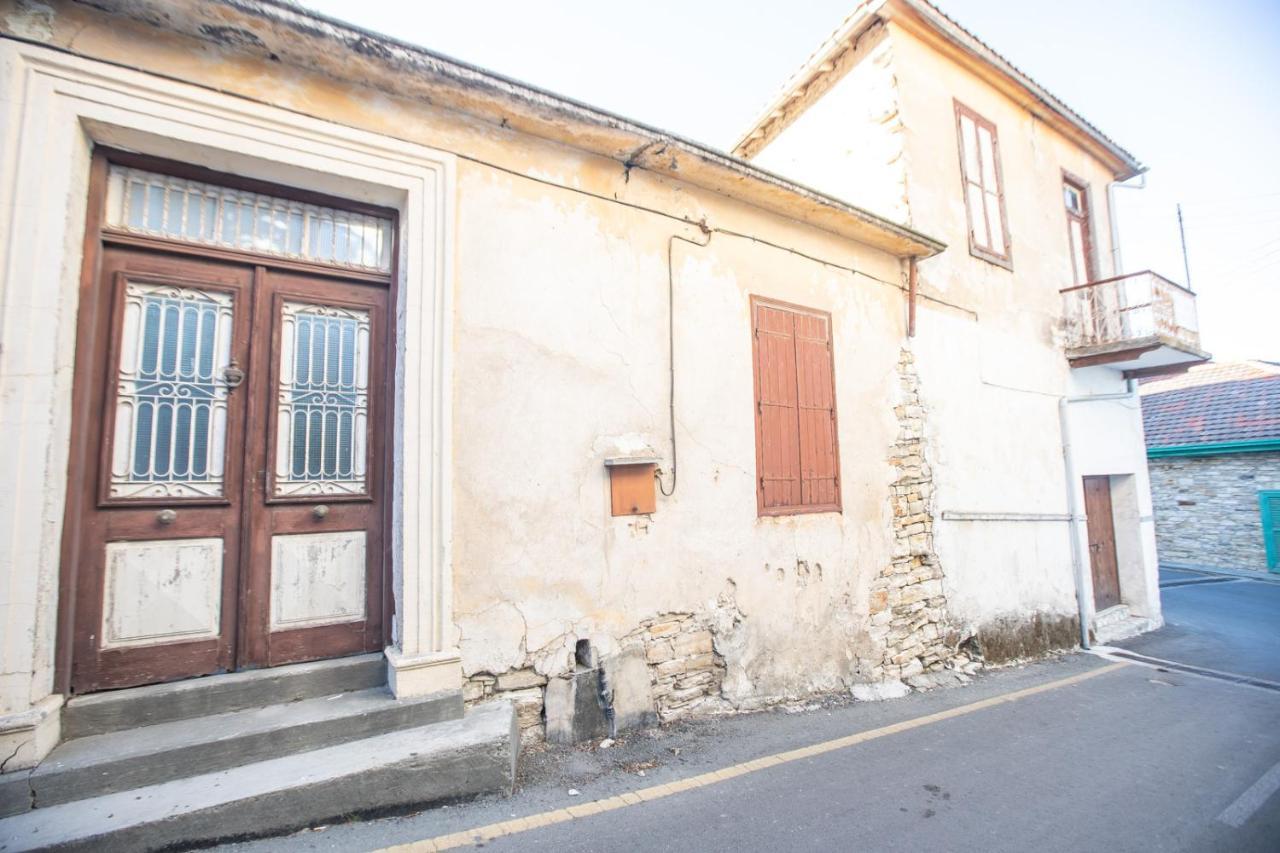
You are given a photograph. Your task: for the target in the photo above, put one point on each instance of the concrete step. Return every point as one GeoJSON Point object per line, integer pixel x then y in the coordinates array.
{"type": "Point", "coordinates": [1112, 616]}
{"type": "Point", "coordinates": [116, 710]}
{"type": "Point", "coordinates": [118, 761]}
{"type": "Point", "coordinates": [410, 767]}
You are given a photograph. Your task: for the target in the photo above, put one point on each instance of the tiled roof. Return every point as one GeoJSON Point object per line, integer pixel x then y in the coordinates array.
{"type": "Point", "coordinates": [1234, 401]}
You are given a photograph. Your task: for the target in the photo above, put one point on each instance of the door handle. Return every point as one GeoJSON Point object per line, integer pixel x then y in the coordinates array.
{"type": "Point", "coordinates": [166, 517]}
{"type": "Point", "coordinates": [319, 511]}
{"type": "Point", "coordinates": [233, 375]}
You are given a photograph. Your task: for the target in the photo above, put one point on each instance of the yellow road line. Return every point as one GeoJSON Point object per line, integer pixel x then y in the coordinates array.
{"type": "Point", "coordinates": [655, 792]}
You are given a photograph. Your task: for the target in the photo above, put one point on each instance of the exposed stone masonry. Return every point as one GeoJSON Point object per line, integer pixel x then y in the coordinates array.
{"type": "Point", "coordinates": [523, 687]}
{"type": "Point", "coordinates": [685, 670]}
{"type": "Point", "coordinates": [1207, 508]}
{"type": "Point", "coordinates": [685, 674]}
{"type": "Point", "coordinates": [908, 607]}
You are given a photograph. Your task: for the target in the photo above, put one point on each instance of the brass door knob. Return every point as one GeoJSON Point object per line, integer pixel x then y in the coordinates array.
{"type": "Point", "coordinates": [166, 516]}
{"type": "Point", "coordinates": [319, 512]}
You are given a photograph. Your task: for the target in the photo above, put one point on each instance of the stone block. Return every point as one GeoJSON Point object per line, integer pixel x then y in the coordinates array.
{"type": "Point", "coordinates": [574, 711]}
{"type": "Point", "coordinates": [520, 679]}
{"type": "Point", "coordinates": [879, 600]}
{"type": "Point", "coordinates": [629, 690]}
{"type": "Point", "coordinates": [694, 643]}
{"type": "Point", "coordinates": [659, 651]}
{"type": "Point", "coordinates": [879, 691]}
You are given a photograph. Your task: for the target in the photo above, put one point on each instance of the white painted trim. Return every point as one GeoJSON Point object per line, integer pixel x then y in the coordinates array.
{"type": "Point", "coordinates": [53, 108]}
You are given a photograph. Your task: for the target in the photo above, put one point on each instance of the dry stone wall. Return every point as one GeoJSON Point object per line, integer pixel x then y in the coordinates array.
{"type": "Point", "coordinates": [908, 603]}
{"type": "Point", "coordinates": [1207, 509]}
{"type": "Point", "coordinates": [686, 672]}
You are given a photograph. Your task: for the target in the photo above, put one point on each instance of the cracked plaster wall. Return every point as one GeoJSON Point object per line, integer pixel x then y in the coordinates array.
{"type": "Point", "coordinates": [561, 356]}
{"type": "Point", "coordinates": [989, 348]}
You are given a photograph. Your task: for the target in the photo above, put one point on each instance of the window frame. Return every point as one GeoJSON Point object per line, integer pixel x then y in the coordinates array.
{"type": "Point", "coordinates": [836, 506]}
{"type": "Point", "coordinates": [986, 253]}
{"type": "Point", "coordinates": [1089, 249]}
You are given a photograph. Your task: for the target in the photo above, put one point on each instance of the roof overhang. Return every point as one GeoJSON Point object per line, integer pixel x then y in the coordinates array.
{"type": "Point", "coordinates": [927, 23]}
{"type": "Point", "coordinates": [1220, 448]}
{"type": "Point", "coordinates": [284, 32]}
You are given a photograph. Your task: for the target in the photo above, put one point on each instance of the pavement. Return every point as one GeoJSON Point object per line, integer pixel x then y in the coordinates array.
{"type": "Point", "coordinates": [1217, 622]}
{"type": "Point", "coordinates": [1071, 753]}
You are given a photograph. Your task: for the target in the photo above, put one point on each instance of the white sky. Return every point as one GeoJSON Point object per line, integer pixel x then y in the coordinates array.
{"type": "Point", "coordinates": [1192, 88]}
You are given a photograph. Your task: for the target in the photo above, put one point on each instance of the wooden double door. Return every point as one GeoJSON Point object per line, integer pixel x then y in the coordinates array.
{"type": "Point", "coordinates": [234, 420]}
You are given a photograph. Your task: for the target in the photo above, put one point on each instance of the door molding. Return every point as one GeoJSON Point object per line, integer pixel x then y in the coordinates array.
{"type": "Point", "coordinates": [56, 108]}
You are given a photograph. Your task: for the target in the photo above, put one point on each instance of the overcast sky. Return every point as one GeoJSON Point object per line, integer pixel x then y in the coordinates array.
{"type": "Point", "coordinates": [1191, 87]}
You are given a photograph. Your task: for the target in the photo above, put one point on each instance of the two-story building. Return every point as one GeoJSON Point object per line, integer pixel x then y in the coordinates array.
{"type": "Point", "coordinates": [345, 385]}
{"type": "Point", "coordinates": [1028, 334]}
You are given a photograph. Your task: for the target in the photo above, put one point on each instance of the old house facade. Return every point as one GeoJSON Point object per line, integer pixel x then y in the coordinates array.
{"type": "Point", "coordinates": [1027, 320]}
{"type": "Point", "coordinates": [332, 365]}
{"type": "Point", "coordinates": [1213, 447]}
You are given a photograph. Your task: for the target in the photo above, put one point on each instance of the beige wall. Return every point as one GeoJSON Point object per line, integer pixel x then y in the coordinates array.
{"type": "Point", "coordinates": [561, 361]}
{"type": "Point", "coordinates": [559, 358]}
{"type": "Point", "coordinates": [989, 346]}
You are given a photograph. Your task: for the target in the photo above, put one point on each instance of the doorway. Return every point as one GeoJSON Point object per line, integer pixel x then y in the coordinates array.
{"type": "Point", "coordinates": [1102, 542]}
{"type": "Point", "coordinates": [232, 401]}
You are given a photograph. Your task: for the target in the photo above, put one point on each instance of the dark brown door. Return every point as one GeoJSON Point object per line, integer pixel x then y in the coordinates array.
{"type": "Point", "coordinates": [315, 505]}
{"type": "Point", "coordinates": [234, 518]}
{"type": "Point", "coordinates": [1102, 542]}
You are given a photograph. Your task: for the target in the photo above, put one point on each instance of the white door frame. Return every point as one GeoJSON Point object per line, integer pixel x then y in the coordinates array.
{"type": "Point", "coordinates": [53, 109]}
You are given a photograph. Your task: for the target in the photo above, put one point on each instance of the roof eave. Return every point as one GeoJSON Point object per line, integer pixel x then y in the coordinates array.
{"type": "Point", "coordinates": [285, 32]}
{"type": "Point", "coordinates": [917, 12]}
{"type": "Point", "coordinates": [921, 18]}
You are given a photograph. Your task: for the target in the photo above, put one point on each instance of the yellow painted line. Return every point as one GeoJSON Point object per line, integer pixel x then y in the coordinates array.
{"type": "Point", "coordinates": [666, 789]}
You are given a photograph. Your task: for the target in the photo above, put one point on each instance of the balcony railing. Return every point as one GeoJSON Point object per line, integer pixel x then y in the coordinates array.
{"type": "Point", "coordinates": [1138, 308]}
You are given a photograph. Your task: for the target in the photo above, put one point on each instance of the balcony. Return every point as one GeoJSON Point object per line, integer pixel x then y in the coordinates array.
{"type": "Point", "coordinates": [1140, 323]}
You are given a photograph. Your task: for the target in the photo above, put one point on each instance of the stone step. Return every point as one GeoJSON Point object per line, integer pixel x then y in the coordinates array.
{"type": "Point", "coordinates": [133, 707]}
{"type": "Point", "coordinates": [401, 769]}
{"type": "Point", "coordinates": [1111, 616]}
{"type": "Point", "coordinates": [118, 761]}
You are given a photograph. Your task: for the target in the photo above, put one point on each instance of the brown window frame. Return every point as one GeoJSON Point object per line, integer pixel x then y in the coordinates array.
{"type": "Point", "coordinates": [801, 508]}
{"type": "Point", "coordinates": [1089, 250]}
{"type": "Point", "coordinates": [978, 250]}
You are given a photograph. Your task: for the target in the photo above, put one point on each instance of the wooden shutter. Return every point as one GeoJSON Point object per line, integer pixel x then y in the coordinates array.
{"type": "Point", "coordinates": [777, 424]}
{"type": "Point", "coordinates": [1271, 527]}
{"type": "Point", "coordinates": [797, 458]}
{"type": "Point", "coordinates": [819, 476]}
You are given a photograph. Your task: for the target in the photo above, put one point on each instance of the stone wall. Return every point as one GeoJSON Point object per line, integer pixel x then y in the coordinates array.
{"type": "Point", "coordinates": [685, 671]}
{"type": "Point", "coordinates": [908, 604]}
{"type": "Point", "coordinates": [1207, 510]}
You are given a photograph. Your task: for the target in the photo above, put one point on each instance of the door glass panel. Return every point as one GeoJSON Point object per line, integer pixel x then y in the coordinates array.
{"type": "Point", "coordinates": [179, 209]}
{"type": "Point", "coordinates": [171, 402]}
{"type": "Point", "coordinates": [322, 410]}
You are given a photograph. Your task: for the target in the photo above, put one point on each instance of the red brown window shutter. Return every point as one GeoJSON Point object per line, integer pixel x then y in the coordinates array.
{"type": "Point", "coordinates": [797, 458]}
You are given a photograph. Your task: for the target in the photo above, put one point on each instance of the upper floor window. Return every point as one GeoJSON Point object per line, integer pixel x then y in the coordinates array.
{"type": "Point", "coordinates": [1075, 195]}
{"type": "Point", "coordinates": [797, 458]}
{"type": "Point", "coordinates": [983, 187]}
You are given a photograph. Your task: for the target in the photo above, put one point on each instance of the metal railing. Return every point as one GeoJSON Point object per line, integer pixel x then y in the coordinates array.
{"type": "Point", "coordinates": [1130, 308]}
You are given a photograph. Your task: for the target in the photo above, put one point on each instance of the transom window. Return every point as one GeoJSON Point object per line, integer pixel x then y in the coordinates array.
{"type": "Point", "coordinates": [157, 205]}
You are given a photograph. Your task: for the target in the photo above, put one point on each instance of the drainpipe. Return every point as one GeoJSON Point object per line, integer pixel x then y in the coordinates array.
{"type": "Point", "coordinates": [1117, 268]}
{"type": "Point", "coordinates": [1073, 505]}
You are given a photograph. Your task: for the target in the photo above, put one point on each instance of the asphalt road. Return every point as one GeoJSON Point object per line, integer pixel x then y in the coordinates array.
{"type": "Point", "coordinates": [1134, 758]}
{"type": "Point", "coordinates": [1218, 622]}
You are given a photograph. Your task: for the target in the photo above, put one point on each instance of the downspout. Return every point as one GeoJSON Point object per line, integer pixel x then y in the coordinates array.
{"type": "Point", "coordinates": [1117, 268]}
{"type": "Point", "coordinates": [1073, 506]}
{"type": "Point", "coordinates": [911, 297]}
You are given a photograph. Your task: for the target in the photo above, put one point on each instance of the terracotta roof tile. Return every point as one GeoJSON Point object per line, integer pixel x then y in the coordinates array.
{"type": "Point", "coordinates": [1215, 403]}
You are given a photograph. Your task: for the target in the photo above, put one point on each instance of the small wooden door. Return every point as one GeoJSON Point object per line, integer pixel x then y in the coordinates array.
{"type": "Point", "coordinates": [1102, 542]}
{"type": "Point", "coordinates": [235, 516]}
